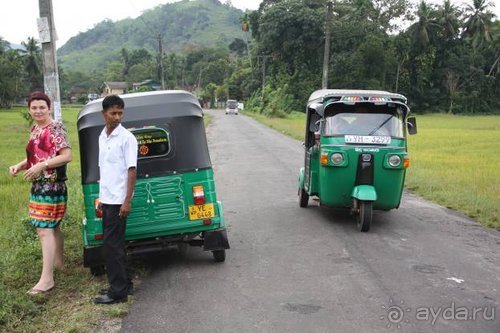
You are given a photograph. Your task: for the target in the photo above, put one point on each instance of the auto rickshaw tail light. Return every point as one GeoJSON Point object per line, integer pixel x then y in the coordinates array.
{"type": "Point", "coordinates": [98, 236]}
{"type": "Point", "coordinates": [324, 159]}
{"type": "Point", "coordinates": [98, 210]}
{"type": "Point", "coordinates": [406, 162]}
{"type": "Point", "coordinates": [198, 195]}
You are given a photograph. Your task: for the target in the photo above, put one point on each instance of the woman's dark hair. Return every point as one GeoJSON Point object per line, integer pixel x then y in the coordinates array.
{"type": "Point", "coordinates": [112, 100]}
{"type": "Point", "coordinates": [38, 96]}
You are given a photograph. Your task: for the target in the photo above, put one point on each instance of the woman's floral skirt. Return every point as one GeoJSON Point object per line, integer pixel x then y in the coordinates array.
{"type": "Point", "coordinates": [47, 204]}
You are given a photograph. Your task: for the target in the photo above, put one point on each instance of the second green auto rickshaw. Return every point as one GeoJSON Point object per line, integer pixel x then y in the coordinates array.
{"type": "Point", "coordinates": [356, 151]}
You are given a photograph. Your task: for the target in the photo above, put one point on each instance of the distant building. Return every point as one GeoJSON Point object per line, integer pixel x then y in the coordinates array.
{"type": "Point", "coordinates": [111, 88]}
{"type": "Point", "coordinates": [75, 93]}
{"type": "Point", "coordinates": [148, 85]}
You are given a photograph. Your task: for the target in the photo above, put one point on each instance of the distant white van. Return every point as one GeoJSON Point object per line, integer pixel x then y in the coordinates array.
{"type": "Point", "coordinates": [232, 106]}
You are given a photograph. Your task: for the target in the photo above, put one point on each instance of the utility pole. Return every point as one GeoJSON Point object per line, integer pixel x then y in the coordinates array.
{"type": "Point", "coordinates": [160, 48]}
{"type": "Point", "coordinates": [48, 38]}
{"type": "Point", "coordinates": [264, 57]}
{"type": "Point", "coordinates": [326, 55]}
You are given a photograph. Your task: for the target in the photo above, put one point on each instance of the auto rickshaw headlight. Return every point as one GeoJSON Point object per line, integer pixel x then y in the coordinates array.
{"type": "Point", "coordinates": [337, 158]}
{"type": "Point", "coordinates": [394, 161]}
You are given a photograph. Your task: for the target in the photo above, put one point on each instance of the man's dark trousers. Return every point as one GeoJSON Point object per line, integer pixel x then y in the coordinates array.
{"type": "Point", "coordinates": [114, 251]}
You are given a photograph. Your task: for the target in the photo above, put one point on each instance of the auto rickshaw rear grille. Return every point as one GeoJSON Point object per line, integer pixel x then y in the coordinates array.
{"type": "Point", "coordinates": [158, 201]}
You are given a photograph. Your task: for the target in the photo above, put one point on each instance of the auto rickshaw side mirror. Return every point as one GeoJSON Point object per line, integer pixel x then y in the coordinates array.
{"type": "Point", "coordinates": [412, 125]}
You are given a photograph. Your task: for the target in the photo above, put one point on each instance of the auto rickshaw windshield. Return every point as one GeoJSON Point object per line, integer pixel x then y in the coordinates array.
{"type": "Point", "coordinates": [385, 124]}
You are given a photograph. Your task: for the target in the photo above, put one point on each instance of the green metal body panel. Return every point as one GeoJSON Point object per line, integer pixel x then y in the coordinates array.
{"type": "Point", "coordinates": [335, 184]}
{"type": "Point", "coordinates": [314, 168]}
{"type": "Point", "coordinates": [159, 208]}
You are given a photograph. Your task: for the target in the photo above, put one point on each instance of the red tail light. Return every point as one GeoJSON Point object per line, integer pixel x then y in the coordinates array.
{"type": "Point", "coordinates": [98, 236]}
{"type": "Point", "coordinates": [97, 206]}
{"type": "Point", "coordinates": [198, 195]}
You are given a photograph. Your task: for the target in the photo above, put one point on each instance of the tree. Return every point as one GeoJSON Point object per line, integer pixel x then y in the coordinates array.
{"type": "Point", "coordinates": [33, 64]}
{"type": "Point", "coordinates": [238, 46]}
{"type": "Point", "coordinates": [448, 20]}
{"type": "Point", "coordinates": [478, 23]}
{"type": "Point", "coordinates": [424, 30]}
{"type": "Point", "coordinates": [11, 76]}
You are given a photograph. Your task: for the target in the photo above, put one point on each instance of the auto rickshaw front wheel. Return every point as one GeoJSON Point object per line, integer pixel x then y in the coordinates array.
{"type": "Point", "coordinates": [219, 255]}
{"type": "Point", "coordinates": [303, 198]}
{"type": "Point", "coordinates": [364, 218]}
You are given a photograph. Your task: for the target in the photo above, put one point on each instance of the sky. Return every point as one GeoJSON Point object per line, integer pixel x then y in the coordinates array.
{"type": "Point", "coordinates": [18, 18]}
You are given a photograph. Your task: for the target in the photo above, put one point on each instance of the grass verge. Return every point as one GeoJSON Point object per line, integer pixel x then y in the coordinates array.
{"type": "Point", "coordinates": [69, 307]}
{"type": "Point", "coordinates": [454, 160]}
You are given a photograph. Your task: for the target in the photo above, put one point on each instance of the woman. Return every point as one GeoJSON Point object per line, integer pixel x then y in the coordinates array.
{"type": "Point", "coordinates": [48, 152]}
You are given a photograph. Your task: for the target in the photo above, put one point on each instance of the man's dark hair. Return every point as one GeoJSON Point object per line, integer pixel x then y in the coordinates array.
{"type": "Point", "coordinates": [38, 95]}
{"type": "Point", "coordinates": [112, 100]}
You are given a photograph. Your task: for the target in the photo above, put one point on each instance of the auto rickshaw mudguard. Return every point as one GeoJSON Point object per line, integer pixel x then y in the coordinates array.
{"type": "Point", "coordinates": [301, 178]}
{"type": "Point", "coordinates": [215, 240]}
{"type": "Point", "coordinates": [364, 193]}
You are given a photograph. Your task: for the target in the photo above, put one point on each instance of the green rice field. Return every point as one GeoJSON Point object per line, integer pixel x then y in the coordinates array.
{"type": "Point", "coordinates": [455, 161]}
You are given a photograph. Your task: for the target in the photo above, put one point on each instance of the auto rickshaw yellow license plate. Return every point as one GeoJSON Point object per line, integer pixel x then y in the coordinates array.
{"type": "Point", "coordinates": [198, 212]}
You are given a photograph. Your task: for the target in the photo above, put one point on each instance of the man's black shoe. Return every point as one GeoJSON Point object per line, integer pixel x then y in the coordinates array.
{"type": "Point", "coordinates": [105, 291]}
{"type": "Point", "coordinates": [108, 300]}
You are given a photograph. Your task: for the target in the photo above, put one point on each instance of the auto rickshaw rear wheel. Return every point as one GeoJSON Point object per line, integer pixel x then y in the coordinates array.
{"type": "Point", "coordinates": [97, 270]}
{"type": "Point", "coordinates": [303, 198]}
{"type": "Point", "coordinates": [364, 219]}
{"type": "Point", "coordinates": [219, 255]}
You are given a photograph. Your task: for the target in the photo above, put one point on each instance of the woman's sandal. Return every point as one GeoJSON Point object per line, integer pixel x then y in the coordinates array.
{"type": "Point", "coordinates": [34, 291]}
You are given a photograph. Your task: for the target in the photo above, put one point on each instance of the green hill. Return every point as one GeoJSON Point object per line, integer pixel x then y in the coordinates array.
{"type": "Point", "coordinates": [184, 24]}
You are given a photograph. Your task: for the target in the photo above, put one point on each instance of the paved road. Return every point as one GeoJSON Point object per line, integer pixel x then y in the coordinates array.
{"type": "Point", "coordinates": [421, 268]}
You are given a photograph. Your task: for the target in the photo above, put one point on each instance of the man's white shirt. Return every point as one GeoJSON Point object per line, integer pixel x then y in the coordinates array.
{"type": "Point", "coordinates": [117, 153]}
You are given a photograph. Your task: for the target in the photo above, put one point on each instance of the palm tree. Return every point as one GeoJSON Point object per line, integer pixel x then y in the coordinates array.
{"type": "Point", "coordinates": [425, 27]}
{"type": "Point", "coordinates": [245, 27]}
{"type": "Point", "coordinates": [33, 63]}
{"type": "Point", "coordinates": [448, 20]}
{"type": "Point", "coordinates": [478, 22]}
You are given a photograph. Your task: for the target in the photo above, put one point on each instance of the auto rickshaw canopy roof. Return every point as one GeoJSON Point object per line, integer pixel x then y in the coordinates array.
{"type": "Point", "coordinates": [323, 98]}
{"type": "Point", "coordinates": [176, 112]}
{"type": "Point", "coordinates": [337, 94]}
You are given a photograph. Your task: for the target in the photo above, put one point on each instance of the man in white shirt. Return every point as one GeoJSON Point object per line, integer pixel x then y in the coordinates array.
{"type": "Point", "coordinates": [117, 167]}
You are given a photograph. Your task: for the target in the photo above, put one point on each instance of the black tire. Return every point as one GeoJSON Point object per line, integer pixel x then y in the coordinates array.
{"type": "Point", "coordinates": [97, 270]}
{"type": "Point", "coordinates": [219, 255]}
{"type": "Point", "coordinates": [365, 215]}
{"type": "Point", "coordinates": [303, 198]}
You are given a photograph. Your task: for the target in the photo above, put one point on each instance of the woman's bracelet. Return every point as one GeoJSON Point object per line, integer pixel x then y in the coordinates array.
{"type": "Point", "coordinates": [46, 165]}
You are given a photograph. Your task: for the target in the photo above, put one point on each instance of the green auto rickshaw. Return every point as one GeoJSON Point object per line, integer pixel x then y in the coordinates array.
{"type": "Point", "coordinates": [356, 151]}
{"type": "Point", "coordinates": [175, 202]}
